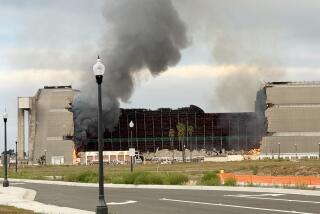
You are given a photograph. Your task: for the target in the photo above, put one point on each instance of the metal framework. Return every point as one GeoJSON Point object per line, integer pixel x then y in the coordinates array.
{"type": "Point", "coordinates": [216, 131]}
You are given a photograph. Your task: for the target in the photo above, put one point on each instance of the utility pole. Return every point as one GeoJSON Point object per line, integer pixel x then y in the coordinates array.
{"type": "Point", "coordinates": [161, 129]}
{"type": "Point", "coordinates": [119, 135]}
{"type": "Point", "coordinates": [145, 130]}
{"type": "Point", "coordinates": [136, 128]}
{"type": "Point", "coordinates": [187, 130]}
{"type": "Point", "coordinates": [195, 129]}
{"type": "Point", "coordinates": [220, 140]}
{"type": "Point", "coordinates": [212, 140]}
{"type": "Point", "coordinates": [154, 143]}
{"type": "Point", "coordinates": [204, 132]}
{"type": "Point", "coordinates": [229, 133]}
{"type": "Point", "coordinates": [128, 128]}
{"type": "Point", "coordinates": [16, 156]}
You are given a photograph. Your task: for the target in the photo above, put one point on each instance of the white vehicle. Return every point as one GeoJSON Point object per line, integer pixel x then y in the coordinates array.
{"type": "Point", "coordinates": [138, 161]}
{"type": "Point", "coordinates": [166, 162]}
{"type": "Point", "coordinates": [137, 158]}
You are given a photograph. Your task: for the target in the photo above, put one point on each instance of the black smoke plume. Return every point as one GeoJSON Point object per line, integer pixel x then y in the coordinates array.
{"type": "Point", "coordinates": [140, 34]}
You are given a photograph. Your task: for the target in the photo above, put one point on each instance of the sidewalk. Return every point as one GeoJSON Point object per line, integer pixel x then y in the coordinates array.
{"type": "Point", "coordinates": [24, 198]}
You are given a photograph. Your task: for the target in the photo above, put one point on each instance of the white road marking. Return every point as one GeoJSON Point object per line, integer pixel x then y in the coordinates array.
{"type": "Point", "coordinates": [235, 206]}
{"type": "Point", "coordinates": [273, 199]}
{"type": "Point", "coordinates": [267, 194]}
{"type": "Point", "coordinates": [16, 183]}
{"type": "Point", "coordinates": [121, 203]}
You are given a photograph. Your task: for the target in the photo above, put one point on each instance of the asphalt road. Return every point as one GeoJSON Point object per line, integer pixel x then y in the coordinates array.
{"type": "Point", "coordinates": [158, 201]}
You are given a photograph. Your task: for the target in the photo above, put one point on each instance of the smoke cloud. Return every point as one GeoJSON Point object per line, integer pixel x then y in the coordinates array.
{"type": "Point", "coordinates": [253, 65]}
{"type": "Point", "coordinates": [140, 34]}
{"type": "Point", "coordinates": [243, 36]}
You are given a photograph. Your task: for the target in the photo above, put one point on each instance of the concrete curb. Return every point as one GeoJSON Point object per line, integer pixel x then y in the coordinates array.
{"type": "Point", "coordinates": [179, 187]}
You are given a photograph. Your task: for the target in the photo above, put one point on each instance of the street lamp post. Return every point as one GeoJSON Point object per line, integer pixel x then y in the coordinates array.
{"type": "Point", "coordinates": [319, 150]}
{"type": "Point", "coordinates": [98, 70]}
{"type": "Point", "coordinates": [296, 150]}
{"type": "Point", "coordinates": [279, 150]}
{"type": "Point", "coordinates": [5, 181]}
{"type": "Point", "coordinates": [131, 125]}
{"type": "Point", "coordinates": [184, 153]}
{"type": "Point", "coordinates": [220, 141]}
{"type": "Point", "coordinates": [16, 156]}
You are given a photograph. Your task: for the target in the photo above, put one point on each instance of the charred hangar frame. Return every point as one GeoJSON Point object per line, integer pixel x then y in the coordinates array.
{"type": "Point", "coordinates": [212, 131]}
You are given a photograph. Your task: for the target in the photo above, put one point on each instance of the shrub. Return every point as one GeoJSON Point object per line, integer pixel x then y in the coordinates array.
{"type": "Point", "coordinates": [85, 177]}
{"type": "Point", "coordinates": [210, 179]}
{"type": "Point", "coordinates": [129, 178]}
{"type": "Point", "coordinates": [230, 182]}
{"type": "Point", "coordinates": [117, 180]}
{"type": "Point", "coordinates": [176, 178]}
{"type": "Point", "coordinates": [88, 177]}
{"type": "Point", "coordinates": [149, 178]}
{"type": "Point", "coordinates": [250, 184]}
{"type": "Point", "coordinates": [138, 177]}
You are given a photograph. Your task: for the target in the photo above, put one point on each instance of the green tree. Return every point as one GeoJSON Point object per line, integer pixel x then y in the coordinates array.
{"type": "Point", "coordinates": [181, 128]}
{"type": "Point", "coordinates": [190, 132]}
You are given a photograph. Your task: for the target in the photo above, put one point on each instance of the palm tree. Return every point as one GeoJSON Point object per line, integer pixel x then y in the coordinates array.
{"type": "Point", "coordinates": [181, 128]}
{"type": "Point", "coordinates": [172, 134]}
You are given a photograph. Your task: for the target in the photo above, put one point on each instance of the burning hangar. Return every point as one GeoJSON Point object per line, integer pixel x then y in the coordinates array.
{"type": "Point", "coordinates": [210, 131]}
{"type": "Point", "coordinates": [287, 114]}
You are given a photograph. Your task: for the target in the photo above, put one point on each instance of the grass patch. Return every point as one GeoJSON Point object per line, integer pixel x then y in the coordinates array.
{"type": "Point", "coordinates": [142, 177]}
{"type": "Point", "coordinates": [210, 179]}
{"type": "Point", "coordinates": [149, 178]}
{"type": "Point", "coordinates": [250, 184]}
{"type": "Point", "coordinates": [176, 178]}
{"type": "Point", "coordinates": [14, 210]}
{"type": "Point", "coordinates": [84, 177]}
{"type": "Point", "coordinates": [254, 169]}
{"type": "Point", "coordinates": [139, 177]}
{"type": "Point", "coordinates": [230, 182]}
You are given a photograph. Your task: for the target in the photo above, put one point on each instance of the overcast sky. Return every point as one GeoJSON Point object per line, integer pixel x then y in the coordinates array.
{"type": "Point", "coordinates": [234, 47]}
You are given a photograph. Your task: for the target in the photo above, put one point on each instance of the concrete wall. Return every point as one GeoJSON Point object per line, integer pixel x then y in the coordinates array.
{"type": "Point", "coordinates": [304, 144]}
{"type": "Point", "coordinates": [49, 121]}
{"type": "Point", "coordinates": [292, 118]}
{"type": "Point", "coordinates": [53, 122]}
{"type": "Point", "coordinates": [293, 94]}
{"type": "Point", "coordinates": [21, 135]}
